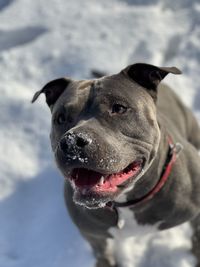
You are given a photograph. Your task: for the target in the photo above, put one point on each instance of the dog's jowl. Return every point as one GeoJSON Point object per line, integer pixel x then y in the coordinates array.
{"type": "Point", "coordinates": [128, 149]}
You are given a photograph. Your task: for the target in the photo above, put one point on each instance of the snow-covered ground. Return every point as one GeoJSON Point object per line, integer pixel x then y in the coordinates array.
{"type": "Point", "coordinates": [42, 40]}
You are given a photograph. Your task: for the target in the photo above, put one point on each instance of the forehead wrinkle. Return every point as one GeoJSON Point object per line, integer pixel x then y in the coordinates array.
{"type": "Point", "coordinates": [84, 84]}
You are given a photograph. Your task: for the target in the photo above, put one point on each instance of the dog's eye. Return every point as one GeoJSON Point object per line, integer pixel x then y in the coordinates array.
{"type": "Point", "coordinates": [119, 109]}
{"type": "Point", "coordinates": [61, 119]}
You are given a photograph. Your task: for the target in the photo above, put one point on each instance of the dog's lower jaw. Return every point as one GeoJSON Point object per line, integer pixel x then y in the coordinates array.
{"type": "Point", "coordinates": [90, 202]}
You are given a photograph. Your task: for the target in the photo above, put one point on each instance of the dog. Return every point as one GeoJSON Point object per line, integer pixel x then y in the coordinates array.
{"type": "Point", "coordinates": [129, 151]}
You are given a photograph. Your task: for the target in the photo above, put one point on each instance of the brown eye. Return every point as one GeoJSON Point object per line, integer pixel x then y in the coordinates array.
{"type": "Point", "coordinates": [119, 109]}
{"type": "Point", "coordinates": [61, 119]}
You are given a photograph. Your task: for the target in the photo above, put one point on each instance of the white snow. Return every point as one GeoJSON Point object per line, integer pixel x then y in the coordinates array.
{"type": "Point", "coordinates": [144, 245]}
{"type": "Point", "coordinates": [43, 40]}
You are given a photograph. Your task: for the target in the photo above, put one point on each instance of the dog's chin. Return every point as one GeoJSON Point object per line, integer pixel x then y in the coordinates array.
{"type": "Point", "coordinates": [94, 190]}
{"type": "Point", "coordinates": [90, 199]}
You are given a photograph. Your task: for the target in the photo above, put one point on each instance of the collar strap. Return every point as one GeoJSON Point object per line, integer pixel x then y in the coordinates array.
{"type": "Point", "coordinates": [173, 153]}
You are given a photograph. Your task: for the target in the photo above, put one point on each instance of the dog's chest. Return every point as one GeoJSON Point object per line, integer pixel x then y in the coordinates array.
{"type": "Point", "coordinates": [128, 226]}
{"type": "Point", "coordinates": [135, 243]}
{"type": "Point", "coordinates": [127, 237]}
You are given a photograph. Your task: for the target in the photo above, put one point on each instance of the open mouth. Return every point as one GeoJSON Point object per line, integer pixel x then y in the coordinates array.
{"type": "Point", "coordinates": [85, 179]}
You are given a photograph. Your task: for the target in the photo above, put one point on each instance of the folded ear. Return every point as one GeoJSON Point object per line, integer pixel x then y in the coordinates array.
{"type": "Point", "coordinates": [148, 76]}
{"type": "Point", "coordinates": [52, 90]}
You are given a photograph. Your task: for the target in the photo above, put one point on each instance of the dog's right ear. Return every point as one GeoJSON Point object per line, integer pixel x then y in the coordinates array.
{"type": "Point", "coordinates": [52, 90]}
{"type": "Point", "coordinates": [148, 76]}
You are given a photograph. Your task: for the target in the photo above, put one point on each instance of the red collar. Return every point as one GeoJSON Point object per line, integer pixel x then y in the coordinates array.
{"type": "Point", "coordinates": [174, 150]}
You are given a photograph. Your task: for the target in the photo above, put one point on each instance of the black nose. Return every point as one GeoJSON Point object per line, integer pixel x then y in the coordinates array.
{"type": "Point", "coordinates": [71, 142]}
{"type": "Point", "coordinates": [81, 141]}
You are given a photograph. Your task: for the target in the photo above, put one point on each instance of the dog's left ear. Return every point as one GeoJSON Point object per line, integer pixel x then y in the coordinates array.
{"type": "Point", "coordinates": [148, 76]}
{"type": "Point", "coordinates": [52, 90]}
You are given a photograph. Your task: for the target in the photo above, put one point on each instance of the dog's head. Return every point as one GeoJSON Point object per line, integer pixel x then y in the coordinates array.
{"type": "Point", "coordinates": [105, 132]}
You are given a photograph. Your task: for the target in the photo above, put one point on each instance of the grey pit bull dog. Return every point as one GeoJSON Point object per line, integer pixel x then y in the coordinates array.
{"type": "Point", "coordinates": [128, 149]}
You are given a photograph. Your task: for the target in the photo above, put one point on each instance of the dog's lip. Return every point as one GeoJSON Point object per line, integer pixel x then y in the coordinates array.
{"type": "Point", "coordinates": [90, 180]}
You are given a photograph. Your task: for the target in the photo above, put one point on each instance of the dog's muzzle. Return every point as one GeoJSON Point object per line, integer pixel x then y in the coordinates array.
{"type": "Point", "coordinates": [92, 167]}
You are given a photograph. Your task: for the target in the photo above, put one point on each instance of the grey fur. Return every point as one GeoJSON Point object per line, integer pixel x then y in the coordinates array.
{"type": "Point", "coordinates": [155, 113]}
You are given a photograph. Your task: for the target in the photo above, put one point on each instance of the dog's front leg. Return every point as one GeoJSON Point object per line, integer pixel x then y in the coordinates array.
{"type": "Point", "coordinates": [196, 239]}
{"type": "Point", "coordinates": [102, 253]}
{"type": "Point", "coordinates": [102, 262]}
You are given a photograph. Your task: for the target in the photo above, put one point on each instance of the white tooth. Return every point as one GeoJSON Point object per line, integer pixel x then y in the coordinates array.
{"type": "Point", "coordinates": [84, 191]}
{"type": "Point", "coordinates": [73, 184]}
{"type": "Point", "coordinates": [102, 180]}
{"type": "Point", "coordinates": [76, 178]}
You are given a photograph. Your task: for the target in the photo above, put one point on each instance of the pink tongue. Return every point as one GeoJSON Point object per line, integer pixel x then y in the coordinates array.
{"type": "Point", "coordinates": [84, 178]}
{"type": "Point", "coordinates": [116, 179]}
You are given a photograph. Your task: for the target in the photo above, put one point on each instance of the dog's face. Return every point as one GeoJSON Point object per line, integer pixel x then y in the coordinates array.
{"type": "Point", "coordinates": [104, 132]}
